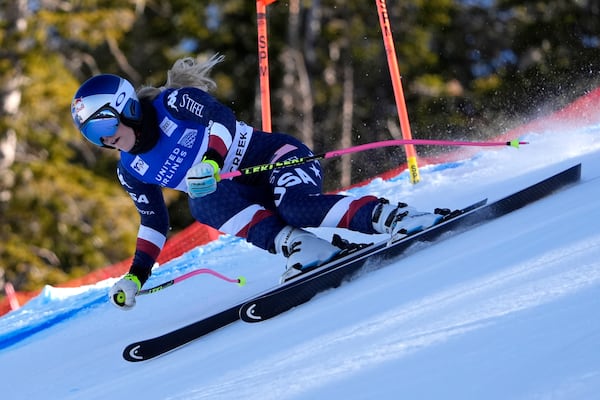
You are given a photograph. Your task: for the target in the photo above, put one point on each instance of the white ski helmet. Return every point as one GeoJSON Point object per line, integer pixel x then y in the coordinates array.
{"type": "Point", "coordinates": [101, 103]}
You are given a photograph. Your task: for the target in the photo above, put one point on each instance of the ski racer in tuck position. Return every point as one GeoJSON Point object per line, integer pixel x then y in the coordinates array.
{"type": "Point", "coordinates": [179, 136]}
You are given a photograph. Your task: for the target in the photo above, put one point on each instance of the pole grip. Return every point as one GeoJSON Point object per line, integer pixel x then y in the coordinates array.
{"type": "Point", "coordinates": [119, 298]}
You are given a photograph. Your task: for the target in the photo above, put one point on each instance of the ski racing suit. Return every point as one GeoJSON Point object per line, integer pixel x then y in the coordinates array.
{"type": "Point", "coordinates": [192, 124]}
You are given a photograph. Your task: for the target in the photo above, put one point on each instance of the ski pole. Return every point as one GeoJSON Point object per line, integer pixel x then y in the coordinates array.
{"type": "Point", "coordinates": [241, 281]}
{"type": "Point", "coordinates": [355, 149]}
{"type": "Point", "coordinates": [119, 297]}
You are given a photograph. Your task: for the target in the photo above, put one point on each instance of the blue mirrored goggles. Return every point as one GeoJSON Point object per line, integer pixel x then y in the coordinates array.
{"type": "Point", "coordinates": [103, 123]}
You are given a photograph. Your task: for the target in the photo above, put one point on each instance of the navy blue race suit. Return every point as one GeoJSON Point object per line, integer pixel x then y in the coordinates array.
{"type": "Point", "coordinates": [192, 124]}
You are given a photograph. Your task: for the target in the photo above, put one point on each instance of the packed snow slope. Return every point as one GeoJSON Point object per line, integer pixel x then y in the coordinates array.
{"type": "Point", "coordinates": [509, 309]}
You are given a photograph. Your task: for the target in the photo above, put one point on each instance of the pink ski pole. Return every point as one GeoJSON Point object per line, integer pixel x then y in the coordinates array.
{"type": "Point", "coordinates": [355, 149]}
{"type": "Point", "coordinates": [241, 281]}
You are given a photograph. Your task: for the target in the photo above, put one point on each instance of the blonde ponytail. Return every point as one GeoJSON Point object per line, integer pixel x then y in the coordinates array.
{"type": "Point", "coordinates": [186, 72]}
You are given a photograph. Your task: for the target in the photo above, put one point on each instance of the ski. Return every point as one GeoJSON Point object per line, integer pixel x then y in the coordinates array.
{"type": "Point", "coordinates": [304, 287]}
{"type": "Point", "coordinates": [150, 348]}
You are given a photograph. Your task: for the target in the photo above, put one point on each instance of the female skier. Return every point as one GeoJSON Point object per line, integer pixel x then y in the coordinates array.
{"type": "Point", "coordinates": [178, 136]}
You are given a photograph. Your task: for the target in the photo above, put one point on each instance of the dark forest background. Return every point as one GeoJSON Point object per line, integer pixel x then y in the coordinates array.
{"type": "Point", "coordinates": [470, 70]}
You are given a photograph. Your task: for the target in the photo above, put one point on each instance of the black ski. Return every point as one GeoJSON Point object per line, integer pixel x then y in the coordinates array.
{"type": "Point", "coordinates": [303, 288]}
{"type": "Point", "coordinates": [331, 275]}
